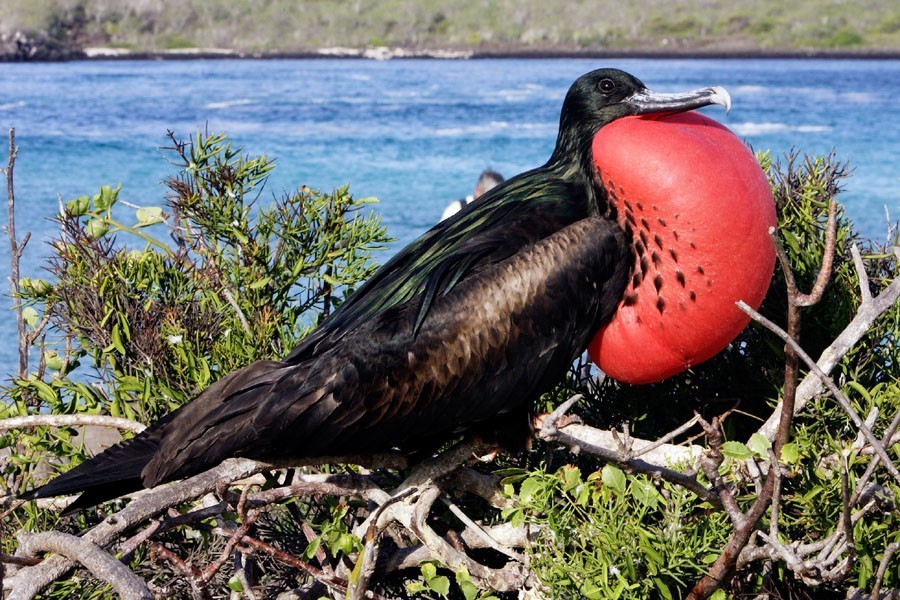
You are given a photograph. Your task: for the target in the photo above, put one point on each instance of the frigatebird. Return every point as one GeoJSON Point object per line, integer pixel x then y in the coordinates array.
{"type": "Point", "coordinates": [460, 331]}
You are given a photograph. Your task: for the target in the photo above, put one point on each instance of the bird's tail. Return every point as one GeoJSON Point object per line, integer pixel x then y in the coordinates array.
{"type": "Point", "coordinates": [112, 473]}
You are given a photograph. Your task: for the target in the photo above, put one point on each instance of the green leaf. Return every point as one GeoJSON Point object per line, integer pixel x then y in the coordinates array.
{"type": "Point", "coordinates": [530, 488]}
{"type": "Point", "coordinates": [106, 198]}
{"type": "Point", "coordinates": [464, 582]}
{"type": "Point", "coordinates": [429, 570]}
{"type": "Point", "coordinates": [645, 492]}
{"type": "Point", "coordinates": [759, 444]}
{"type": "Point", "coordinates": [416, 587]}
{"type": "Point", "coordinates": [468, 589]}
{"type": "Point", "coordinates": [261, 283]}
{"type": "Point", "coordinates": [117, 340]}
{"type": "Point", "coordinates": [235, 584]}
{"type": "Point", "coordinates": [515, 516]}
{"type": "Point", "coordinates": [861, 390]}
{"type": "Point", "coordinates": [791, 240]}
{"type": "Point", "coordinates": [41, 287]}
{"type": "Point", "coordinates": [96, 228]}
{"type": "Point", "coordinates": [591, 591]}
{"type": "Point", "coordinates": [79, 206]}
{"type": "Point", "coordinates": [52, 360]}
{"type": "Point", "coordinates": [736, 450]}
{"type": "Point", "coordinates": [440, 584]}
{"type": "Point", "coordinates": [45, 392]}
{"type": "Point", "coordinates": [614, 478]}
{"type": "Point", "coordinates": [149, 215]}
{"type": "Point", "coordinates": [790, 453]}
{"type": "Point", "coordinates": [347, 543]}
{"type": "Point", "coordinates": [571, 476]}
{"type": "Point", "coordinates": [30, 316]}
{"type": "Point", "coordinates": [663, 588]}
{"type": "Point", "coordinates": [313, 547]}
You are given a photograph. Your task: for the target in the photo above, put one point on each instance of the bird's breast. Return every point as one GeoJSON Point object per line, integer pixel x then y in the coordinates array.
{"type": "Point", "coordinates": [698, 208]}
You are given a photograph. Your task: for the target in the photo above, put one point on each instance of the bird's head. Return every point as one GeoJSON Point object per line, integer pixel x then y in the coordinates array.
{"type": "Point", "coordinates": [604, 95]}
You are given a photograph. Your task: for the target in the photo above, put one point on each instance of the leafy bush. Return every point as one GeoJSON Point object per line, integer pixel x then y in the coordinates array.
{"type": "Point", "coordinates": [136, 324]}
{"type": "Point", "coordinates": [140, 313]}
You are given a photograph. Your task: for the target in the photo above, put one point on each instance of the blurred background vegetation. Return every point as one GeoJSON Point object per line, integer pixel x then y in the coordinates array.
{"type": "Point", "coordinates": [488, 26]}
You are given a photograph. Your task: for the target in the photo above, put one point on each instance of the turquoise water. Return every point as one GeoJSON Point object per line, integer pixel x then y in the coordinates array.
{"type": "Point", "coordinates": [413, 133]}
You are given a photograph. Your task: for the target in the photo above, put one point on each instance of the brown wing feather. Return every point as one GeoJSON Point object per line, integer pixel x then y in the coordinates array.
{"type": "Point", "coordinates": [488, 348]}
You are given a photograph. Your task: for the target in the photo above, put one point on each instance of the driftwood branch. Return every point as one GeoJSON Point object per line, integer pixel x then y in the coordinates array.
{"type": "Point", "coordinates": [30, 581]}
{"type": "Point", "coordinates": [407, 506]}
{"type": "Point", "coordinates": [103, 566]}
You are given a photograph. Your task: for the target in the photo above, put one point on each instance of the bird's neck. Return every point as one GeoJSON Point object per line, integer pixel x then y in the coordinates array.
{"type": "Point", "coordinates": [574, 142]}
{"type": "Point", "coordinates": [573, 160]}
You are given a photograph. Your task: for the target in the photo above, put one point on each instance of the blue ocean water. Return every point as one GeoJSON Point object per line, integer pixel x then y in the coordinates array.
{"type": "Point", "coordinates": [413, 133]}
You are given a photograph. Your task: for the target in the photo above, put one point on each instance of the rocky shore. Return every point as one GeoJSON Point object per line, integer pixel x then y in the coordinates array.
{"type": "Point", "coordinates": [25, 47]}
{"type": "Point", "coordinates": [19, 46]}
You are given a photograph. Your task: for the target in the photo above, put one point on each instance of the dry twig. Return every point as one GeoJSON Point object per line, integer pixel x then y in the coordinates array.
{"type": "Point", "coordinates": [15, 251]}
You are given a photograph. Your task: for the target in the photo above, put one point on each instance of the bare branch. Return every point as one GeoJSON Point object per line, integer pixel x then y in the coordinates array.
{"type": "Point", "coordinates": [296, 562]}
{"type": "Point", "coordinates": [413, 556]}
{"type": "Point", "coordinates": [198, 587]}
{"type": "Point", "coordinates": [512, 577]}
{"type": "Point", "coordinates": [229, 297]}
{"type": "Point", "coordinates": [75, 420]}
{"type": "Point", "coordinates": [861, 275]}
{"type": "Point", "coordinates": [870, 469]}
{"type": "Point", "coordinates": [353, 485]}
{"type": "Point", "coordinates": [824, 276]}
{"type": "Point", "coordinates": [710, 462]}
{"type": "Point", "coordinates": [829, 383]}
{"type": "Point", "coordinates": [15, 251]}
{"type": "Point", "coordinates": [103, 566]}
{"type": "Point", "coordinates": [22, 561]}
{"type": "Point", "coordinates": [594, 441]}
{"type": "Point", "coordinates": [358, 580]}
{"type": "Point", "coordinates": [483, 485]}
{"type": "Point", "coordinates": [480, 532]}
{"type": "Point", "coordinates": [667, 456]}
{"type": "Point", "coordinates": [882, 568]}
{"type": "Point", "coordinates": [812, 385]}
{"type": "Point", "coordinates": [247, 520]}
{"type": "Point", "coordinates": [28, 582]}
{"type": "Point", "coordinates": [365, 564]}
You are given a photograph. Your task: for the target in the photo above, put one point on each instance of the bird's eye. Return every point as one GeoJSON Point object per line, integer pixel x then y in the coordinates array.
{"type": "Point", "coordinates": [606, 86]}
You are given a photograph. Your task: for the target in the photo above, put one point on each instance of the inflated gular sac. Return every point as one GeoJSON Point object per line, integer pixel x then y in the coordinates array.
{"type": "Point", "coordinates": [699, 208]}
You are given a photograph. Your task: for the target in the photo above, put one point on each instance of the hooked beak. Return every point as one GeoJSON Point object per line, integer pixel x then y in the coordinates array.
{"type": "Point", "coordinates": [645, 101]}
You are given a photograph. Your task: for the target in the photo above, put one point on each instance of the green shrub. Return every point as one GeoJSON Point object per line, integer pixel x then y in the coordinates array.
{"type": "Point", "coordinates": [146, 306]}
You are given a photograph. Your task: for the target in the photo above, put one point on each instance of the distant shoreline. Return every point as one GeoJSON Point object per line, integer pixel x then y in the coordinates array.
{"type": "Point", "coordinates": [385, 53]}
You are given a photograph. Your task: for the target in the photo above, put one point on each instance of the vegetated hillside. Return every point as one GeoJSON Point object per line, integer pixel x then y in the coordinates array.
{"type": "Point", "coordinates": [488, 26]}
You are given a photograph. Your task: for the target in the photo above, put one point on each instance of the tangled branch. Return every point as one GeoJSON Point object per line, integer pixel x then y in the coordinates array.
{"type": "Point", "coordinates": [408, 506]}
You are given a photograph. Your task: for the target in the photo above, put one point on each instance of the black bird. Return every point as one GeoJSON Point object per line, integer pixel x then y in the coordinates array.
{"type": "Point", "coordinates": [460, 331]}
